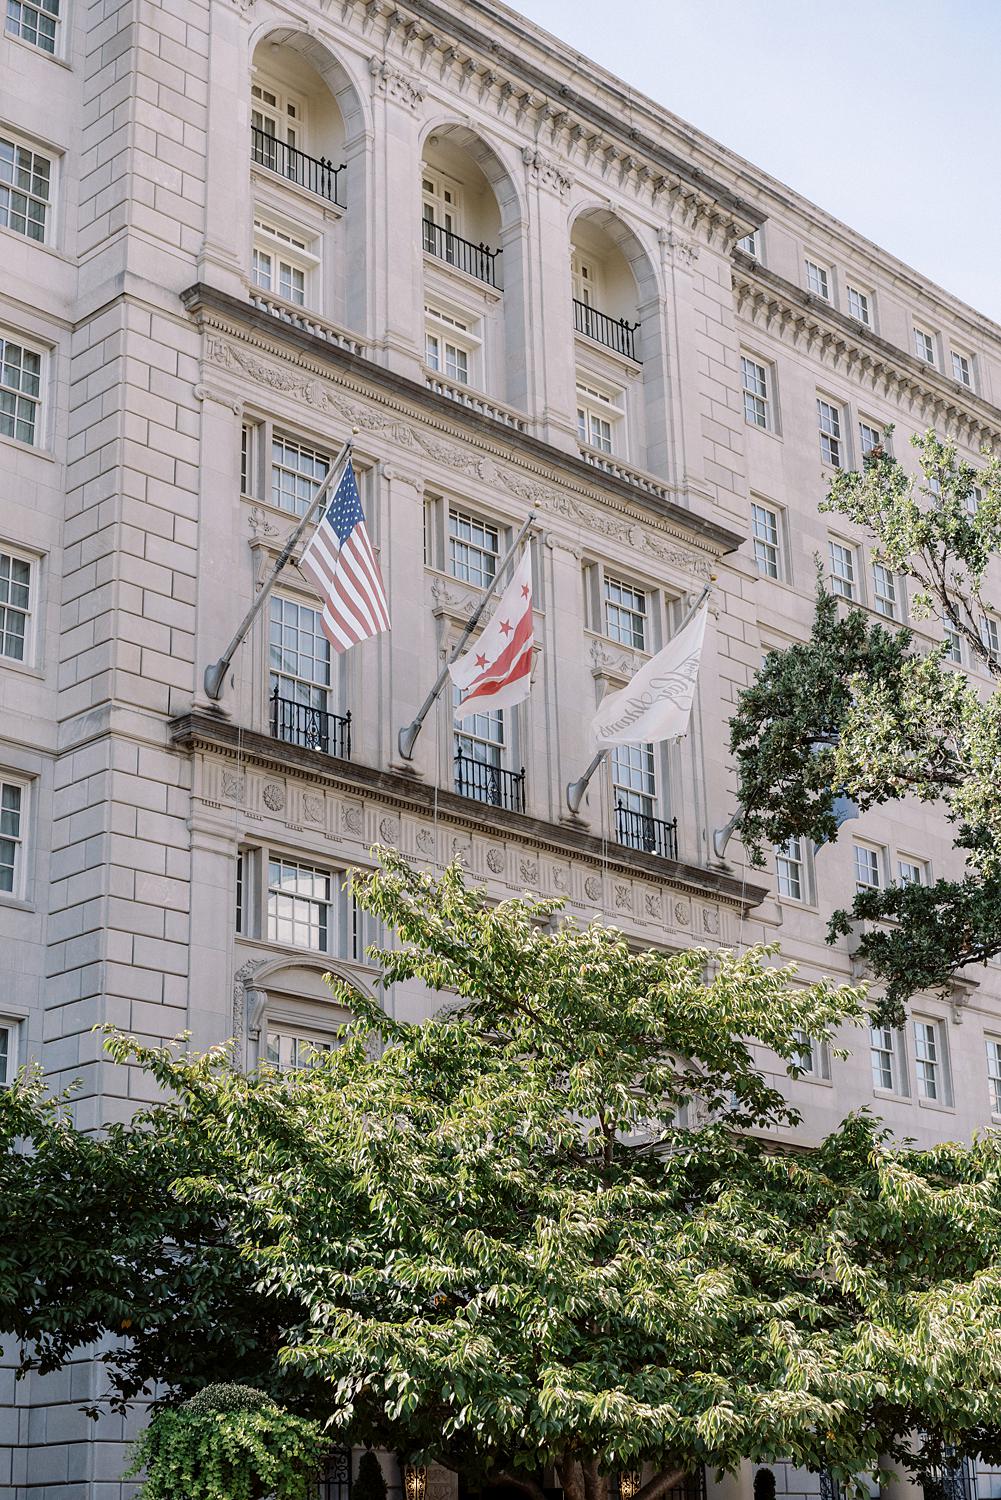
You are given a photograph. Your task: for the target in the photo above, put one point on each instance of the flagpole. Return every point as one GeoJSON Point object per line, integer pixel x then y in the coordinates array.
{"type": "Point", "coordinates": [576, 789]}
{"type": "Point", "coordinates": [407, 737]}
{"type": "Point", "coordinates": [216, 673]}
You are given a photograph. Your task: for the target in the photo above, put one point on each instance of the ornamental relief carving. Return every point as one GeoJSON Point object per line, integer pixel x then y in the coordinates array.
{"type": "Point", "coordinates": [546, 172]}
{"type": "Point", "coordinates": [324, 397]}
{"type": "Point", "coordinates": [396, 84]}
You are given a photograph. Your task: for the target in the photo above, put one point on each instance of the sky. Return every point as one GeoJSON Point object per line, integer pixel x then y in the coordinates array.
{"type": "Point", "coordinates": [883, 112]}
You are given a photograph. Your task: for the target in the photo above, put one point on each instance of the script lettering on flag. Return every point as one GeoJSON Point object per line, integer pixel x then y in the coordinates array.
{"type": "Point", "coordinates": [657, 703]}
{"type": "Point", "coordinates": [496, 671]}
{"type": "Point", "coordinates": [341, 565]}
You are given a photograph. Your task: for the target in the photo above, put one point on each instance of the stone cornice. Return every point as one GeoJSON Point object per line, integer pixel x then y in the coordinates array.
{"type": "Point", "coordinates": [202, 731]}
{"type": "Point", "coordinates": [232, 317]}
{"type": "Point", "coordinates": [770, 301]}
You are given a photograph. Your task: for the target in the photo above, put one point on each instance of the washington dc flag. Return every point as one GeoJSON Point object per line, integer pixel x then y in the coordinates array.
{"type": "Point", "coordinates": [496, 670]}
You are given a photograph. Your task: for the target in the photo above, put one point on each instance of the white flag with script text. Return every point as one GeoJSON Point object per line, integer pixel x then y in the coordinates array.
{"type": "Point", "coordinates": [657, 703]}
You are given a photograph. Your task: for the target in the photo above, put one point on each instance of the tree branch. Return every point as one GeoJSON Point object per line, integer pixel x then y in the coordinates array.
{"type": "Point", "coordinates": [660, 1484]}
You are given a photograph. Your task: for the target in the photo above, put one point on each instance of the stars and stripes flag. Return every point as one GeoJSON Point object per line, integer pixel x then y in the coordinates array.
{"type": "Point", "coordinates": [496, 670]}
{"type": "Point", "coordinates": [341, 566]}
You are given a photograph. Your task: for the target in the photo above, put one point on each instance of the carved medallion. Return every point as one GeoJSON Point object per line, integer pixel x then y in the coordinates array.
{"type": "Point", "coordinates": [274, 797]}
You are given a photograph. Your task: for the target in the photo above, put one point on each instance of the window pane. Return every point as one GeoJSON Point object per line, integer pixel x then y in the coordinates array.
{"type": "Point", "coordinates": [20, 391]}
{"type": "Point", "coordinates": [474, 548]}
{"type": "Point", "coordinates": [298, 905]}
{"type": "Point", "coordinates": [15, 600]}
{"type": "Point", "coordinates": [297, 472]}
{"type": "Point", "coordinates": [625, 613]}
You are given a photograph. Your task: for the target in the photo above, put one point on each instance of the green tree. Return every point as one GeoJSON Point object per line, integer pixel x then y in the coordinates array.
{"type": "Point", "coordinates": [548, 1226]}
{"type": "Point", "coordinates": [860, 708]}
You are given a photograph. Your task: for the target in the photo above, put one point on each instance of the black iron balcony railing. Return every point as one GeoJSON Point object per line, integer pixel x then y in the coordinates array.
{"type": "Point", "coordinates": [312, 728]}
{"type": "Point", "coordinates": [614, 333]}
{"type": "Point", "coordinates": [475, 260]}
{"type": "Point", "coordinates": [474, 778]}
{"type": "Point", "coordinates": [314, 173]}
{"type": "Point", "coordinates": [640, 831]}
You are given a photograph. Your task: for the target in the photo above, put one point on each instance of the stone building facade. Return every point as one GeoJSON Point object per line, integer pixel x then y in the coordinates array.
{"type": "Point", "coordinates": [235, 231]}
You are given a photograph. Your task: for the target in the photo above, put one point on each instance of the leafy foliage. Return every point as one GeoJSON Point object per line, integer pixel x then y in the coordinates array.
{"type": "Point", "coordinates": [526, 1232]}
{"type": "Point", "coordinates": [229, 1442]}
{"type": "Point", "coordinates": [370, 1483]}
{"type": "Point", "coordinates": [858, 708]}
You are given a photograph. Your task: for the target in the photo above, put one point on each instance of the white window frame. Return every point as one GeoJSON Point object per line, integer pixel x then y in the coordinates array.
{"type": "Point", "coordinates": [767, 539]}
{"type": "Point", "coordinates": [299, 686]}
{"type": "Point", "coordinates": [990, 635]}
{"type": "Point", "coordinates": [962, 368]}
{"type": "Point", "coordinates": [925, 346]}
{"type": "Point", "coordinates": [9, 188]}
{"type": "Point", "coordinates": [626, 764]}
{"type": "Point", "coordinates": [831, 428]}
{"type": "Point", "coordinates": [953, 643]}
{"type": "Point", "coordinates": [911, 870]}
{"type": "Point", "coordinates": [281, 1036]}
{"type": "Point", "coordinates": [816, 1058]}
{"type": "Point", "coordinates": [441, 203]}
{"type": "Point", "coordinates": [585, 277]}
{"type": "Point", "coordinates": [604, 405]}
{"type": "Point", "coordinates": [843, 560]}
{"type": "Point", "coordinates": [15, 833]}
{"type": "Point", "coordinates": [819, 279]}
{"type": "Point", "coordinates": [10, 1049]}
{"type": "Point", "coordinates": [326, 923]}
{"type": "Point", "coordinates": [287, 112]}
{"type": "Point", "coordinates": [8, 557]}
{"type": "Point", "coordinates": [455, 334]}
{"type": "Point", "coordinates": [792, 873]}
{"type": "Point", "coordinates": [871, 435]}
{"type": "Point", "coordinates": [889, 1044]}
{"type": "Point", "coordinates": [756, 386]}
{"type": "Point", "coordinates": [869, 866]}
{"type": "Point", "coordinates": [859, 304]}
{"type": "Point", "coordinates": [885, 592]}
{"type": "Point", "coordinates": [640, 611]}
{"type": "Point", "coordinates": [465, 554]}
{"type": "Point", "coordinates": [288, 246]}
{"type": "Point", "coordinates": [932, 1074]}
{"type": "Point", "coordinates": [302, 494]}
{"type": "Point", "coordinates": [993, 1049]}
{"type": "Point", "coordinates": [26, 345]}
{"type": "Point", "coordinates": [39, 10]}
{"type": "Point", "coordinates": [749, 244]}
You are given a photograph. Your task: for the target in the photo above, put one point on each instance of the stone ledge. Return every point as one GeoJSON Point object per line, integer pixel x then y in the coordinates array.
{"type": "Point", "coordinates": [202, 730]}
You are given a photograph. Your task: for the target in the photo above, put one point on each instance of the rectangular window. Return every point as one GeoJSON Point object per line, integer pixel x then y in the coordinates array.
{"type": "Point", "coordinates": [754, 379]}
{"type": "Point", "coordinates": [448, 344]}
{"type": "Point", "coordinates": [962, 368]}
{"type": "Point", "coordinates": [859, 306]}
{"type": "Point", "coordinates": [870, 438]}
{"type": "Point", "coordinates": [290, 1051]}
{"type": "Point", "coordinates": [885, 1063]}
{"type": "Point", "coordinates": [953, 643]}
{"type": "Point", "coordinates": [241, 866]}
{"type": "Point", "coordinates": [929, 1061]}
{"type": "Point", "coordinates": [272, 273]}
{"type": "Point", "coordinates": [34, 21]}
{"type": "Point", "coordinates": [814, 1057]}
{"type": "Point", "coordinates": [868, 868]}
{"type": "Point", "coordinates": [749, 244]}
{"type": "Point", "coordinates": [765, 536]}
{"type": "Point", "coordinates": [8, 1052]}
{"type": "Point", "coordinates": [12, 800]}
{"type": "Point", "coordinates": [281, 261]}
{"type": "Point", "coordinates": [843, 573]}
{"type": "Point", "coordinates": [625, 614]}
{"type": "Point", "coordinates": [596, 413]}
{"type": "Point", "coordinates": [884, 591]}
{"type": "Point", "coordinates": [479, 753]}
{"type": "Point", "coordinates": [20, 391]}
{"type": "Point", "coordinates": [818, 280]}
{"type": "Point", "coordinates": [994, 1074]}
{"type": "Point", "coordinates": [297, 471]}
{"type": "Point", "coordinates": [829, 419]}
{"type": "Point", "coordinates": [989, 634]}
{"type": "Point", "coordinates": [634, 781]}
{"type": "Point", "coordinates": [790, 870]}
{"type": "Point", "coordinates": [973, 501]}
{"type": "Point", "coordinates": [299, 905]}
{"type": "Point", "coordinates": [15, 605]}
{"type": "Point", "coordinates": [248, 446]}
{"type": "Point", "coordinates": [911, 872]}
{"type": "Point", "coordinates": [473, 549]}
{"type": "Point", "coordinates": [25, 186]}
{"type": "Point", "coordinates": [924, 346]}
{"type": "Point", "coordinates": [299, 664]}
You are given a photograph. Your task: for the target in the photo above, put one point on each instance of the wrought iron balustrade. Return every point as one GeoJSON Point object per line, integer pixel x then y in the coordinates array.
{"type": "Point", "coordinates": [476, 260]}
{"type": "Point", "coordinates": [310, 728]}
{"type": "Point", "coordinates": [314, 173]}
{"type": "Point", "coordinates": [641, 831]}
{"type": "Point", "coordinates": [492, 784]}
{"type": "Point", "coordinates": [614, 333]}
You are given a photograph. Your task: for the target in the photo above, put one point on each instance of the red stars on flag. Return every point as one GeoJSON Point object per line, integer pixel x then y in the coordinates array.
{"type": "Point", "coordinates": [496, 672]}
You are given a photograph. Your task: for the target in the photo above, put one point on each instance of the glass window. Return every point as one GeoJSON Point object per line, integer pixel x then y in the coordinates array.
{"type": "Point", "coordinates": [625, 613]}
{"type": "Point", "coordinates": [596, 412]}
{"type": "Point", "coordinates": [953, 643]}
{"type": "Point", "coordinates": [274, 274]}
{"type": "Point", "coordinates": [299, 654]}
{"type": "Point", "coordinates": [790, 870]}
{"type": "Point", "coordinates": [473, 549]}
{"type": "Point", "coordinates": [25, 182]}
{"type": "Point", "coordinates": [15, 605]}
{"type": "Point", "coordinates": [749, 244]}
{"type": "Point", "coordinates": [20, 391]}
{"type": "Point", "coordinates": [911, 872]}
{"type": "Point", "coordinates": [34, 21]}
{"type": "Point", "coordinates": [11, 837]}
{"type": "Point", "coordinates": [884, 591]}
{"type": "Point", "coordinates": [868, 868]}
{"type": "Point", "coordinates": [883, 1052]}
{"type": "Point", "coordinates": [989, 634]}
{"type": "Point", "coordinates": [479, 751]}
{"type": "Point", "coordinates": [299, 905]}
{"type": "Point", "coordinates": [924, 346]}
{"type": "Point", "coordinates": [754, 378]}
{"type": "Point", "coordinates": [813, 1056]}
{"type": "Point", "coordinates": [8, 1057]}
{"type": "Point", "coordinates": [829, 418]}
{"type": "Point", "coordinates": [994, 1074]}
{"type": "Point", "coordinates": [928, 1060]}
{"type": "Point", "coordinates": [765, 535]}
{"type": "Point", "coordinates": [842, 569]}
{"type": "Point", "coordinates": [634, 779]}
{"type": "Point", "coordinates": [297, 471]}
{"type": "Point", "coordinates": [869, 438]}
{"type": "Point", "coordinates": [818, 280]}
{"type": "Point", "coordinates": [290, 1051]}
{"type": "Point", "coordinates": [447, 358]}
{"type": "Point", "coordinates": [962, 368]}
{"type": "Point", "coordinates": [859, 306]}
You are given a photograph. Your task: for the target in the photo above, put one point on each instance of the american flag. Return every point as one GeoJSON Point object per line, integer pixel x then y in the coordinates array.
{"type": "Point", "coordinates": [341, 566]}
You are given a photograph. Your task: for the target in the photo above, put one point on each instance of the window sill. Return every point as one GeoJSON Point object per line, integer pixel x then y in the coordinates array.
{"type": "Point", "coordinates": [7, 664]}
{"type": "Point", "coordinates": [46, 454]}
{"type": "Point", "coordinates": [937, 1105]}
{"type": "Point", "coordinates": [15, 903]}
{"type": "Point", "coordinates": [892, 1095]}
{"type": "Point", "coordinates": [44, 245]}
{"type": "Point", "coordinates": [768, 432]}
{"type": "Point", "coordinates": [52, 57]}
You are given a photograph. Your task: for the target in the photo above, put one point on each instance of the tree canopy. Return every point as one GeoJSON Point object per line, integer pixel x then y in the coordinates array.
{"type": "Point", "coordinates": [862, 708]}
{"type": "Point", "coordinates": [551, 1225]}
